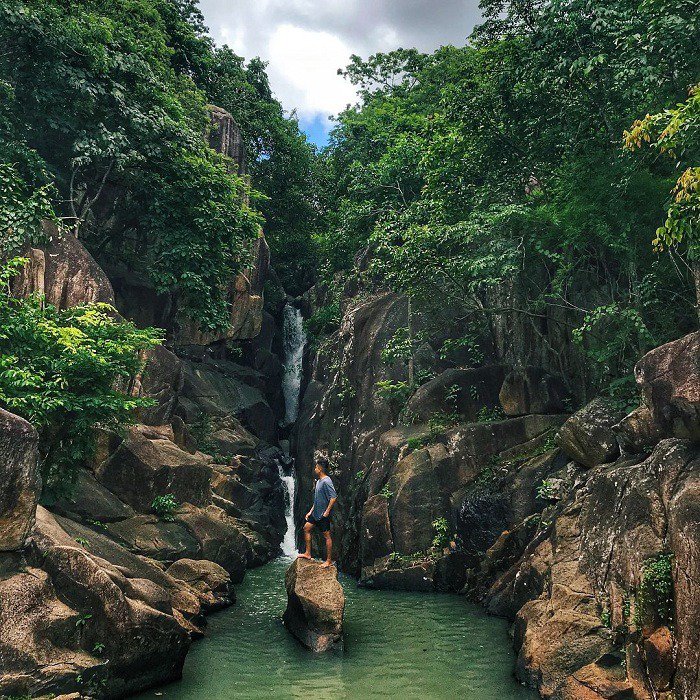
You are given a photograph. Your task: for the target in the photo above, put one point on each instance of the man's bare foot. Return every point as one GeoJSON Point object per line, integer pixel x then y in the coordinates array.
{"type": "Point", "coordinates": [304, 555]}
{"type": "Point", "coordinates": [326, 564]}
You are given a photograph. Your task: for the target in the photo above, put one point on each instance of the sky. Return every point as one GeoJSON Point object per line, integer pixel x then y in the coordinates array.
{"type": "Point", "coordinates": [306, 41]}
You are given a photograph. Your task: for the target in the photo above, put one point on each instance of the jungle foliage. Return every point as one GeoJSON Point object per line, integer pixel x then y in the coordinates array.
{"type": "Point", "coordinates": [62, 370]}
{"type": "Point", "coordinates": [502, 163]}
{"type": "Point", "coordinates": [103, 123]}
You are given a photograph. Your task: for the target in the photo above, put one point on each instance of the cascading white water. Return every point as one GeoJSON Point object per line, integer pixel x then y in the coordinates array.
{"type": "Point", "coordinates": [289, 545]}
{"type": "Point", "coordinates": [294, 340]}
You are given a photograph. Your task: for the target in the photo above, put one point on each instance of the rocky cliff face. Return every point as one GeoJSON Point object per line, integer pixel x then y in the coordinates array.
{"type": "Point", "coordinates": [99, 593]}
{"type": "Point", "coordinates": [582, 529]}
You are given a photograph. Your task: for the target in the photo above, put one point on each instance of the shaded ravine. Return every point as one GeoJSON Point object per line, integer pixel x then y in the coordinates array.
{"type": "Point", "coordinates": [397, 645]}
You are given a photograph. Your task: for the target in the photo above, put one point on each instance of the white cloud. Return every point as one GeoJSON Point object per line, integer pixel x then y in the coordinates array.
{"type": "Point", "coordinates": [306, 41]}
{"type": "Point", "coordinates": [305, 63]}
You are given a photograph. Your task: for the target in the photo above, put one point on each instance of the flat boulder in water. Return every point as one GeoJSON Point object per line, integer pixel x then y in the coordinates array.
{"type": "Point", "coordinates": [315, 605]}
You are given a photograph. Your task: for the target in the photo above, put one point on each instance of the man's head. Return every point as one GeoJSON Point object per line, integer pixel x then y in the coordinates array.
{"type": "Point", "coordinates": [321, 467]}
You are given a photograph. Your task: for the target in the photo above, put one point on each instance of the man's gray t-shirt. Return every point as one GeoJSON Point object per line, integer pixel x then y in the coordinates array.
{"type": "Point", "coordinates": [322, 496]}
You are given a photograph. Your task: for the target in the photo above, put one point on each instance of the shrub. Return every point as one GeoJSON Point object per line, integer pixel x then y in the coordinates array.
{"type": "Point", "coordinates": [655, 593]}
{"type": "Point", "coordinates": [394, 393]}
{"type": "Point", "coordinates": [165, 506]}
{"type": "Point", "coordinates": [488, 414]}
{"type": "Point", "coordinates": [442, 537]}
{"type": "Point", "coordinates": [58, 369]}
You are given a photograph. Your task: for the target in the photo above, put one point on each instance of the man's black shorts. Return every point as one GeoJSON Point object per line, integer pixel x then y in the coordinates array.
{"type": "Point", "coordinates": [323, 524]}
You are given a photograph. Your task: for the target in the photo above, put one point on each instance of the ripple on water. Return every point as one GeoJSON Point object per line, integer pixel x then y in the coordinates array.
{"type": "Point", "coordinates": [397, 645]}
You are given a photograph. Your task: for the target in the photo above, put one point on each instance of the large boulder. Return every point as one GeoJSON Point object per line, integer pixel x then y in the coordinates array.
{"type": "Point", "coordinates": [63, 272]}
{"type": "Point", "coordinates": [72, 620]}
{"type": "Point", "coordinates": [669, 380]}
{"type": "Point", "coordinates": [588, 436]}
{"type": "Point", "coordinates": [210, 580]}
{"type": "Point", "coordinates": [19, 480]}
{"type": "Point", "coordinates": [461, 391]}
{"type": "Point", "coordinates": [376, 541]}
{"type": "Point", "coordinates": [583, 621]}
{"type": "Point", "coordinates": [390, 575]}
{"type": "Point", "coordinates": [160, 380]}
{"type": "Point", "coordinates": [532, 390]}
{"type": "Point", "coordinates": [315, 605]}
{"type": "Point", "coordinates": [221, 539]}
{"type": "Point", "coordinates": [216, 391]}
{"type": "Point", "coordinates": [148, 536]}
{"type": "Point", "coordinates": [146, 465]}
{"type": "Point", "coordinates": [638, 432]}
{"type": "Point", "coordinates": [90, 501]}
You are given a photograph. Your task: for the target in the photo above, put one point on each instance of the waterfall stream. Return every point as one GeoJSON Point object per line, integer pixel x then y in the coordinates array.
{"type": "Point", "coordinates": [294, 340]}
{"type": "Point", "coordinates": [289, 546]}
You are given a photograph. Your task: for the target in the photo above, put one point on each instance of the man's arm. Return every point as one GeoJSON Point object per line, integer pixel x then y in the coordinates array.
{"type": "Point", "coordinates": [328, 510]}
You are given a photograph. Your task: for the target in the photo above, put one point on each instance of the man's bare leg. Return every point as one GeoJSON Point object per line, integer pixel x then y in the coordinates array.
{"type": "Point", "coordinates": [307, 541]}
{"type": "Point", "coordinates": [329, 550]}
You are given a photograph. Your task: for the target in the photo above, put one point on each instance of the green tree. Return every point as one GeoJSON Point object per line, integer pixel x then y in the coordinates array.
{"type": "Point", "coordinates": [58, 369]}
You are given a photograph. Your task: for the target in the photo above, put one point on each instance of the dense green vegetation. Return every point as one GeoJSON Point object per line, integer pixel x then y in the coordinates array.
{"type": "Point", "coordinates": [505, 179]}
{"type": "Point", "coordinates": [501, 164]}
{"type": "Point", "coordinates": [60, 370]}
{"type": "Point", "coordinates": [103, 120]}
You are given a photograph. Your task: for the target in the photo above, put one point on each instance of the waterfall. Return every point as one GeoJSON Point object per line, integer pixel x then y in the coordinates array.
{"type": "Point", "coordinates": [289, 546]}
{"type": "Point", "coordinates": [294, 340]}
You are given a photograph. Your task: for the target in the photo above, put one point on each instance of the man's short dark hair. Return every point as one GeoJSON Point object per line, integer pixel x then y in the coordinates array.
{"type": "Point", "coordinates": [322, 462]}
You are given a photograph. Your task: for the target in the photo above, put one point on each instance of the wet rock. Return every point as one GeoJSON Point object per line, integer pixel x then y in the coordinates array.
{"type": "Point", "coordinates": [19, 480]}
{"type": "Point", "coordinates": [532, 390]}
{"type": "Point", "coordinates": [588, 436]}
{"type": "Point", "coordinates": [376, 530]}
{"type": "Point", "coordinates": [451, 572]}
{"type": "Point", "coordinates": [145, 466]}
{"type": "Point", "coordinates": [210, 580]}
{"type": "Point", "coordinates": [221, 538]}
{"type": "Point", "coordinates": [386, 574]}
{"type": "Point", "coordinates": [669, 380]}
{"type": "Point", "coordinates": [315, 605]}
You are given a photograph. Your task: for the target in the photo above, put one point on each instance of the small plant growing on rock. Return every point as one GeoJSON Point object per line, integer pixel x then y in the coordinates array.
{"type": "Point", "coordinates": [394, 393]}
{"type": "Point", "coordinates": [655, 593]}
{"type": "Point", "coordinates": [360, 475]}
{"type": "Point", "coordinates": [489, 414]}
{"type": "Point", "coordinates": [545, 490]}
{"type": "Point", "coordinates": [415, 443]}
{"type": "Point", "coordinates": [83, 542]}
{"type": "Point", "coordinates": [97, 523]}
{"type": "Point", "coordinates": [165, 506]}
{"type": "Point", "coordinates": [98, 648]}
{"type": "Point", "coordinates": [385, 493]}
{"type": "Point", "coordinates": [441, 537]}
{"type": "Point", "coordinates": [605, 618]}
{"type": "Point", "coordinates": [82, 620]}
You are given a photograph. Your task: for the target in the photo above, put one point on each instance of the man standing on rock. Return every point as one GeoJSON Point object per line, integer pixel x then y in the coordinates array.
{"type": "Point", "coordinates": [320, 513]}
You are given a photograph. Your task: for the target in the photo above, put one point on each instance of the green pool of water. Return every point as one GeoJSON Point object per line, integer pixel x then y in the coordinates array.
{"type": "Point", "coordinates": [397, 645]}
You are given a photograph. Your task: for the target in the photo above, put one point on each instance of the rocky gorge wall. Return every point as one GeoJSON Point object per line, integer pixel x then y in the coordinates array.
{"type": "Point", "coordinates": [581, 528]}
{"type": "Point", "coordinates": [99, 594]}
